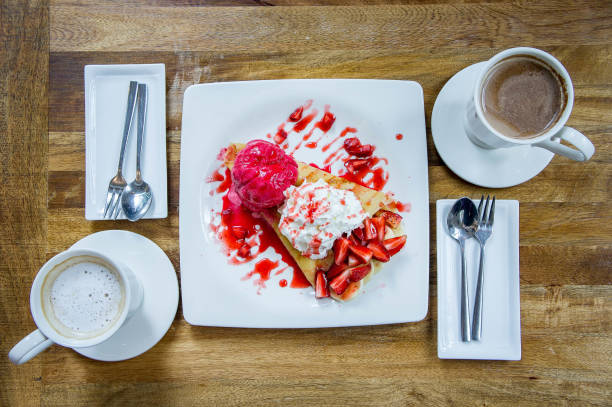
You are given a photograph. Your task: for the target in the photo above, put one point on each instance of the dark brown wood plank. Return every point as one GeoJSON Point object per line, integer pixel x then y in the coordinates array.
{"type": "Point", "coordinates": [411, 28]}
{"type": "Point", "coordinates": [23, 141]}
{"type": "Point", "coordinates": [246, 3]}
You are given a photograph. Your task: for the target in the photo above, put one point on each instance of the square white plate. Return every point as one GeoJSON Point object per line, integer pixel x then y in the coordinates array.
{"type": "Point", "coordinates": [501, 318]}
{"type": "Point", "coordinates": [106, 92]}
{"type": "Point", "coordinates": [214, 293]}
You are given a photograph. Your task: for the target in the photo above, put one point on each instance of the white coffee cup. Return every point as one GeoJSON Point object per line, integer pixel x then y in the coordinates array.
{"type": "Point", "coordinates": [50, 328]}
{"type": "Point", "coordinates": [484, 135]}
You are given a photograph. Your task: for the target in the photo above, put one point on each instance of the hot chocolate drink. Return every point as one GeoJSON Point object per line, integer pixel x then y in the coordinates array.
{"type": "Point", "coordinates": [522, 97]}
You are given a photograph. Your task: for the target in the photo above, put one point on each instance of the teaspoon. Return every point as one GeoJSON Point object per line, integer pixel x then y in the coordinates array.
{"type": "Point", "coordinates": [462, 222]}
{"type": "Point", "coordinates": [136, 199]}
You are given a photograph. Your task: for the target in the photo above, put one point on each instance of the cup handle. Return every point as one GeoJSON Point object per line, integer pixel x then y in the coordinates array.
{"type": "Point", "coordinates": [584, 148]}
{"type": "Point", "coordinates": [29, 347]}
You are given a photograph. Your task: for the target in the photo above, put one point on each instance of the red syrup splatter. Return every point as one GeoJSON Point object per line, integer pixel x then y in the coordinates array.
{"type": "Point", "coordinates": [263, 268]}
{"type": "Point", "coordinates": [301, 125]}
{"type": "Point", "coordinates": [342, 134]}
{"type": "Point", "coordinates": [324, 125]}
{"type": "Point", "coordinates": [369, 176]}
{"type": "Point", "coordinates": [259, 236]}
{"type": "Point", "coordinates": [403, 207]}
{"type": "Point", "coordinates": [399, 136]}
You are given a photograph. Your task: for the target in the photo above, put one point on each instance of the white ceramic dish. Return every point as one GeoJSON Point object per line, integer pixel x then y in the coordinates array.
{"type": "Point", "coordinates": [501, 323]}
{"type": "Point", "coordinates": [156, 274]}
{"type": "Point", "coordinates": [499, 168]}
{"type": "Point", "coordinates": [106, 90]}
{"type": "Point", "coordinates": [214, 292]}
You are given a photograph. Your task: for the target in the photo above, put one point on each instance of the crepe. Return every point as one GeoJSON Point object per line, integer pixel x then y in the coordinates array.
{"type": "Point", "coordinates": [371, 201]}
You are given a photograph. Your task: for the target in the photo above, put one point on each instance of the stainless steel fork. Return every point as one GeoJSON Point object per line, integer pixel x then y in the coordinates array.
{"type": "Point", "coordinates": [117, 183]}
{"type": "Point", "coordinates": [483, 232]}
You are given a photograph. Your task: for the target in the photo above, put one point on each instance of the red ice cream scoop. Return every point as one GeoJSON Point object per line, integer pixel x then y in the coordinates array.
{"type": "Point", "coordinates": [262, 172]}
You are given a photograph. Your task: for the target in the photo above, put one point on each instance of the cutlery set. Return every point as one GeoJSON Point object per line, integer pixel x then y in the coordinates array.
{"type": "Point", "coordinates": [464, 221]}
{"type": "Point", "coordinates": [133, 199]}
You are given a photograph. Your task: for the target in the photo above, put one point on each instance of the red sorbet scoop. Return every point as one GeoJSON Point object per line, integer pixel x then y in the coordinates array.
{"type": "Point", "coordinates": [262, 171]}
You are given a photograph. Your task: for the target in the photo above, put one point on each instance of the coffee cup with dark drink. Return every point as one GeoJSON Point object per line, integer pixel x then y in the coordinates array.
{"type": "Point", "coordinates": [524, 96]}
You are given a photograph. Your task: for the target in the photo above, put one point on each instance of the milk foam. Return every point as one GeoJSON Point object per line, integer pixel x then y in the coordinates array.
{"type": "Point", "coordinates": [85, 298]}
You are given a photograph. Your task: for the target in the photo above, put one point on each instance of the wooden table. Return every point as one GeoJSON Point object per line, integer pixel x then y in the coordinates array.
{"type": "Point", "coordinates": [566, 211]}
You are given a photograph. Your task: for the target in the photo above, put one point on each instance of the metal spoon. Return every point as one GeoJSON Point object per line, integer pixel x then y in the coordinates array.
{"type": "Point", "coordinates": [462, 222]}
{"type": "Point", "coordinates": [136, 199]}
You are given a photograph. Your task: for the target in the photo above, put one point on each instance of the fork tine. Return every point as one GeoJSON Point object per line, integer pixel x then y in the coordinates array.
{"type": "Point", "coordinates": [118, 207]}
{"type": "Point", "coordinates": [113, 204]}
{"type": "Point", "coordinates": [491, 213]}
{"type": "Point", "coordinates": [480, 209]}
{"type": "Point", "coordinates": [485, 213]}
{"type": "Point", "coordinates": [109, 197]}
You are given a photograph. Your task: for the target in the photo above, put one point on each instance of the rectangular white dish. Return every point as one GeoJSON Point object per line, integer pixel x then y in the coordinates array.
{"type": "Point", "coordinates": [106, 91]}
{"type": "Point", "coordinates": [214, 115]}
{"type": "Point", "coordinates": [501, 318]}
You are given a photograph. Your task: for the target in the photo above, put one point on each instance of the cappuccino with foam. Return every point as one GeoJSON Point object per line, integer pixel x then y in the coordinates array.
{"type": "Point", "coordinates": [83, 297]}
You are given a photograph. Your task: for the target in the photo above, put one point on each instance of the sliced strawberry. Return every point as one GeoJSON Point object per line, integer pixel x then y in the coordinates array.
{"type": "Point", "coordinates": [379, 225]}
{"type": "Point", "coordinates": [280, 136]}
{"type": "Point", "coordinates": [340, 282]}
{"type": "Point", "coordinates": [365, 150]}
{"type": "Point", "coordinates": [378, 251]}
{"type": "Point", "coordinates": [356, 164]}
{"type": "Point", "coordinates": [354, 240]}
{"type": "Point", "coordinates": [369, 231]}
{"type": "Point", "coordinates": [297, 114]}
{"type": "Point", "coordinates": [321, 290]}
{"type": "Point", "coordinates": [394, 244]}
{"type": "Point", "coordinates": [239, 232]}
{"type": "Point", "coordinates": [327, 121]}
{"type": "Point", "coordinates": [335, 270]}
{"type": "Point", "coordinates": [352, 145]}
{"type": "Point", "coordinates": [359, 233]}
{"type": "Point", "coordinates": [245, 250]}
{"type": "Point", "coordinates": [359, 272]}
{"type": "Point", "coordinates": [354, 260]}
{"type": "Point", "coordinates": [341, 246]}
{"type": "Point", "coordinates": [393, 219]}
{"type": "Point", "coordinates": [362, 252]}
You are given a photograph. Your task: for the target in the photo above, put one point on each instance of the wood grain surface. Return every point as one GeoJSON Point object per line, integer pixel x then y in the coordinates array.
{"type": "Point", "coordinates": [565, 212]}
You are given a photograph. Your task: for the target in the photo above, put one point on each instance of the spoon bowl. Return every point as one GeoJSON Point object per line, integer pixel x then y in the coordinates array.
{"type": "Point", "coordinates": [462, 222]}
{"type": "Point", "coordinates": [136, 200]}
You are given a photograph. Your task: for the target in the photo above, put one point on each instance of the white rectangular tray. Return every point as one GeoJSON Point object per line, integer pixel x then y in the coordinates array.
{"type": "Point", "coordinates": [106, 91]}
{"type": "Point", "coordinates": [501, 318]}
{"type": "Point", "coordinates": [214, 115]}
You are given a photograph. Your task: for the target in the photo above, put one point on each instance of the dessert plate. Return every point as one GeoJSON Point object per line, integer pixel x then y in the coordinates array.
{"type": "Point", "coordinates": [501, 317]}
{"type": "Point", "coordinates": [106, 90]}
{"type": "Point", "coordinates": [156, 274]}
{"type": "Point", "coordinates": [216, 293]}
{"type": "Point", "coordinates": [499, 168]}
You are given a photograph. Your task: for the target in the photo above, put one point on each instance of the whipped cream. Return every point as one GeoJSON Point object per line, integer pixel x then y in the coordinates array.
{"type": "Point", "coordinates": [315, 214]}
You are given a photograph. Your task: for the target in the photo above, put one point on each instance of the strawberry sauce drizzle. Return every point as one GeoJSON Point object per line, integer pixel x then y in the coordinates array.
{"type": "Point", "coordinates": [399, 136]}
{"type": "Point", "coordinates": [259, 236]}
{"type": "Point", "coordinates": [342, 134]}
{"type": "Point", "coordinates": [263, 268]}
{"type": "Point", "coordinates": [403, 207]}
{"type": "Point", "coordinates": [301, 125]}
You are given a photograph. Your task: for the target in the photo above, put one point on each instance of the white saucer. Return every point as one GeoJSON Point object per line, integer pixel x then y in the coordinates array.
{"type": "Point", "coordinates": [499, 168]}
{"type": "Point", "coordinates": [156, 274]}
